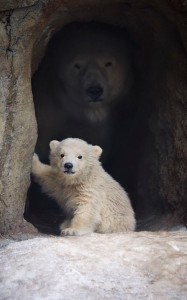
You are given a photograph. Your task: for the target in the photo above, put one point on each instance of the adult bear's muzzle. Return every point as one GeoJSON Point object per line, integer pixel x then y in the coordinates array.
{"type": "Point", "coordinates": [94, 93]}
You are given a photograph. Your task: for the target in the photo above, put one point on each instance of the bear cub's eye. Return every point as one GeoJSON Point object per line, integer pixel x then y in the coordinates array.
{"type": "Point", "coordinates": [62, 155]}
{"type": "Point", "coordinates": [80, 157]}
{"type": "Point", "coordinates": [108, 64]}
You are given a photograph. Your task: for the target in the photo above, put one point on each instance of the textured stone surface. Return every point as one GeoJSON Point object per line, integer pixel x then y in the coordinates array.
{"type": "Point", "coordinates": [133, 266]}
{"type": "Point", "coordinates": [13, 4]}
{"type": "Point", "coordinates": [17, 120]}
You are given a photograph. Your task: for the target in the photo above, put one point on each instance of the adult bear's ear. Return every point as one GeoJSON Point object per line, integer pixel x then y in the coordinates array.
{"type": "Point", "coordinates": [53, 145]}
{"type": "Point", "coordinates": [98, 151]}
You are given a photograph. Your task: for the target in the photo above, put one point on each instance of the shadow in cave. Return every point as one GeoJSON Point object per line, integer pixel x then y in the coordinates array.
{"type": "Point", "coordinates": [122, 120]}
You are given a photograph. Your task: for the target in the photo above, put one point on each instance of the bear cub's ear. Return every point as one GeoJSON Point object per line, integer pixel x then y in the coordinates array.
{"type": "Point", "coordinates": [98, 151]}
{"type": "Point", "coordinates": [53, 145]}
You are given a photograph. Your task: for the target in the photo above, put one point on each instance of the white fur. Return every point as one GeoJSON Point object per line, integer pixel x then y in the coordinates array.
{"type": "Point", "coordinates": [92, 199]}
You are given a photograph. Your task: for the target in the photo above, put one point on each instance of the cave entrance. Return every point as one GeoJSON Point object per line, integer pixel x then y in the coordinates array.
{"type": "Point", "coordinates": [140, 130]}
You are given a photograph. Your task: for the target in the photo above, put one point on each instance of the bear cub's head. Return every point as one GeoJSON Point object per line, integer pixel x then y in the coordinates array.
{"type": "Point", "coordinates": [73, 157]}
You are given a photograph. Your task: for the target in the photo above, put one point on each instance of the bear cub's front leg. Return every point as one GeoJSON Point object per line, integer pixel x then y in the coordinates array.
{"type": "Point", "coordinates": [79, 225]}
{"type": "Point", "coordinates": [39, 169]}
{"type": "Point", "coordinates": [44, 175]}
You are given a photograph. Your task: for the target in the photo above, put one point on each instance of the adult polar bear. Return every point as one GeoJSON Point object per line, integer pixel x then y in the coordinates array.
{"type": "Point", "coordinates": [85, 73]}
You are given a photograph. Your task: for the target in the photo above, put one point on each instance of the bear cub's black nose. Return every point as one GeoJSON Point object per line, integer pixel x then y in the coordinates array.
{"type": "Point", "coordinates": [94, 92]}
{"type": "Point", "coordinates": [68, 166]}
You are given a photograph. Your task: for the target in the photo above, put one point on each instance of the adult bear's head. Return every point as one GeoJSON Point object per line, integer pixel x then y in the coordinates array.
{"type": "Point", "coordinates": [91, 64]}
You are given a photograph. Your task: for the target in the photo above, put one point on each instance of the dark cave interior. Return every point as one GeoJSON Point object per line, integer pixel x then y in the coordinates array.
{"type": "Point", "coordinates": [140, 131]}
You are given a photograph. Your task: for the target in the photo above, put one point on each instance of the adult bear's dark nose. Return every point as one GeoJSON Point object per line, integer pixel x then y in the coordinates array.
{"type": "Point", "coordinates": [94, 92]}
{"type": "Point", "coordinates": [68, 166]}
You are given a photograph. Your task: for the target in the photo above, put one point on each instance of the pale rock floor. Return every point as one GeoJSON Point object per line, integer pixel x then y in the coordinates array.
{"type": "Point", "coordinates": [140, 265]}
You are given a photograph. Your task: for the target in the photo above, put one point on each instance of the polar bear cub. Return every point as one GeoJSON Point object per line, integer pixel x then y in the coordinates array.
{"type": "Point", "coordinates": [91, 199]}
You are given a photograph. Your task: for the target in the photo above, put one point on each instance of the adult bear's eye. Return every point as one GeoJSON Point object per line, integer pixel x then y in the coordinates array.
{"type": "Point", "coordinates": [62, 155]}
{"type": "Point", "coordinates": [108, 64]}
{"type": "Point", "coordinates": [80, 157]}
{"type": "Point", "coordinates": [77, 66]}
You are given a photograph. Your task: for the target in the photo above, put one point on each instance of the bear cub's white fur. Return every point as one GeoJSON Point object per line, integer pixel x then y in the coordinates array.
{"type": "Point", "coordinates": [92, 200]}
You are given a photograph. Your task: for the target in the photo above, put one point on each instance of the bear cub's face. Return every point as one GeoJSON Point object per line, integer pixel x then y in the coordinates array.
{"type": "Point", "coordinates": [72, 156]}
